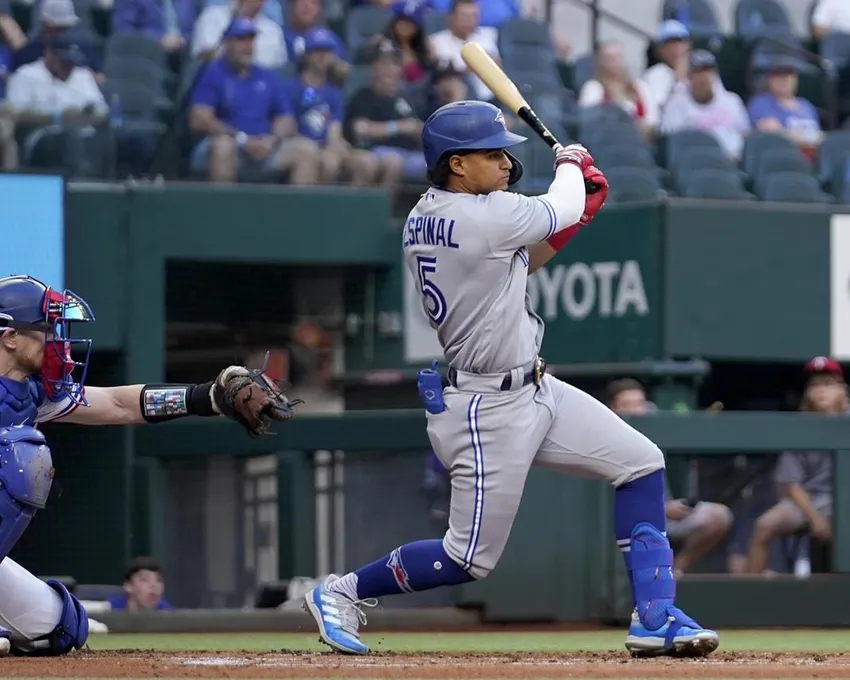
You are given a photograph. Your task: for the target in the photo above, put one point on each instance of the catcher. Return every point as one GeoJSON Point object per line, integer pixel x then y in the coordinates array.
{"type": "Point", "coordinates": [42, 374]}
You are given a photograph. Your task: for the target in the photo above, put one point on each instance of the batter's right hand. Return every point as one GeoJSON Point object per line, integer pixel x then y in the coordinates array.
{"type": "Point", "coordinates": [575, 154]}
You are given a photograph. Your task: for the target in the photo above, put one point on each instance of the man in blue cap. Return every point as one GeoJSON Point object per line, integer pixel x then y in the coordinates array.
{"type": "Point", "coordinates": [318, 108]}
{"type": "Point", "coordinates": [245, 117]}
{"type": "Point", "coordinates": [217, 19]}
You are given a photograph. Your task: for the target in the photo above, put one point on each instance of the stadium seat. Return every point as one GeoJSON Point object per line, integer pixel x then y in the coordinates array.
{"type": "Point", "coordinates": [583, 70]}
{"type": "Point", "coordinates": [524, 33]}
{"type": "Point", "coordinates": [675, 146]}
{"type": "Point", "coordinates": [835, 47]}
{"type": "Point", "coordinates": [358, 77]}
{"type": "Point", "coordinates": [363, 23]}
{"type": "Point", "coordinates": [757, 18]}
{"type": "Point", "coordinates": [619, 156]}
{"type": "Point", "coordinates": [695, 159]}
{"type": "Point", "coordinates": [556, 104]}
{"type": "Point", "coordinates": [632, 184]}
{"type": "Point", "coordinates": [832, 156]}
{"type": "Point", "coordinates": [759, 142]}
{"type": "Point", "coordinates": [697, 15]}
{"type": "Point", "coordinates": [793, 187]}
{"type": "Point", "coordinates": [778, 160]}
{"type": "Point", "coordinates": [135, 45]}
{"type": "Point", "coordinates": [715, 184]}
{"type": "Point", "coordinates": [136, 69]}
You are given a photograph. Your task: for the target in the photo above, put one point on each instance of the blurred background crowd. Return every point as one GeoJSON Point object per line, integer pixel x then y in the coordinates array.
{"type": "Point", "coordinates": [294, 91]}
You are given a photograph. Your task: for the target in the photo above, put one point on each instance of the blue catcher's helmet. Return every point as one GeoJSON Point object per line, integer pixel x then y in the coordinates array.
{"type": "Point", "coordinates": [27, 304]}
{"type": "Point", "coordinates": [467, 126]}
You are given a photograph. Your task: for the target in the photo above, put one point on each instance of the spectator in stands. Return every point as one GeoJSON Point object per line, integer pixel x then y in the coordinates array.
{"type": "Point", "coordinates": [779, 109]}
{"type": "Point", "coordinates": [830, 15]}
{"type": "Point", "coordinates": [242, 112]}
{"type": "Point", "coordinates": [8, 146]}
{"type": "Point", "coordinates": [380, 119]}
{"type": "Point", "coordinates": [58, 88]}
{"type": "Point", "coordinates": [272, 9]}
{"type": "Point", "coordinates": [804, 477]}
{"type": "Point", "coordinates": [463, 27]}
{"type": "Point", "coordinates": [11, 35]}
{"type": "Point", "coordinates": [168, 22]}
{"type": "Point", "coordinates": [704, 104]}
{"type": "Point", "coordinates": [672, 46]}
{"type": "Point", "coordinates": [144, 584]}
{"type": "Point", "coordinates": [694, 527]}
{"type": "Point", "coordinates": [612, 84]}
{"type": "Point", "coordinates": [318, 109]}
{"type": "Point", "coordinates": [406, 32]}
{"type": "Point", "coordinates": [493, 12]}
{"type": "Point", "coordinates": [269, 46]}
{"type": "Point", "coordinates": [57, 17]}
{"type": "Point", "coordinates": [447, 86]}
{"type": "Point", "coordinates": [305, 15]}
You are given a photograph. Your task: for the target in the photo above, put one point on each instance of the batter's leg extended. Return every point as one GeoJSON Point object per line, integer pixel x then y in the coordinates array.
{"type": "Point", "coordinates": [487, 442]}
{"type": "Point", "coordinates": [589, 439]}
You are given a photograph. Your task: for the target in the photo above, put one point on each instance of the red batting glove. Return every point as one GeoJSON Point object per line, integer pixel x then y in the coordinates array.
{"type": "Point", "coordinates": [575, 154]}
{"type": "Point", "coordinates": [592, 204]}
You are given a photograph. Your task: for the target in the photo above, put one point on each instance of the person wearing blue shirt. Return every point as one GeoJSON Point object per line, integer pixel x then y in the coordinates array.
{"type": "Point", "coordinates": [779, 109]}
{"type": "Point", "coordinates": [304, 16]}
{"type": "Point", "coordinates": [493, 12]}
{"type": "Point", "coordinates": [245, 117]}
{"type": "Point", "coordinates": [8, 146]}
{"type": "Point", "coordinates": [143, 587]}
{"type": "Point", "coordinates": [319, 109]}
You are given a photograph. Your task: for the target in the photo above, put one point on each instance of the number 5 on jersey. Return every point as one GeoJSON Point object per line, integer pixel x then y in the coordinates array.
{"type": "Point", "coordinates": [433, 299]}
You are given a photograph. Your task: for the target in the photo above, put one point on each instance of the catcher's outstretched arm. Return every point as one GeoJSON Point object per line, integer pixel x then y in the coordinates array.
{"type": "Point", "coordinates": [137, 404]}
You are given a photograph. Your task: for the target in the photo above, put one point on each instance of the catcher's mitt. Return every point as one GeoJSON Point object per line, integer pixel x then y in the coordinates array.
{"type": "Point", "coordinates": [251, 398]}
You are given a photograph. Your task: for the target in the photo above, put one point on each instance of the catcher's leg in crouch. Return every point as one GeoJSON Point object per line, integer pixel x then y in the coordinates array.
{"type": "Point", "coordinates": [488, 440]}
{"type": "Point", "coordinates": [38, 617]}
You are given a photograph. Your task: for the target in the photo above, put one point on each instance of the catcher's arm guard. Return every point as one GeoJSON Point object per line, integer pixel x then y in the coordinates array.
{"type": "Point", "coordinates": [251, 398]}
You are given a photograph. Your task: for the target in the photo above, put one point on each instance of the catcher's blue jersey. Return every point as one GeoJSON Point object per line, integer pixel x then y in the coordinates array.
{"type": "Point", "coordinates": [23, 402]}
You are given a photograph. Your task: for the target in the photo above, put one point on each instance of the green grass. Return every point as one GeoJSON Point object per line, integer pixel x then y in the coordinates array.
{"type": "Point", "coordinates": [829, 640]}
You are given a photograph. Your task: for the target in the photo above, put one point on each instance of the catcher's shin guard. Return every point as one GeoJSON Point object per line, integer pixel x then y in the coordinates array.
{"type": "Point", "coordinates": [658, 627]}
{"type": "Point", "coordinates": [71, 632]}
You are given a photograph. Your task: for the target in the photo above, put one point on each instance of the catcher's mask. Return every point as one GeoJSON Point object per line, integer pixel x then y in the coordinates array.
{"type": "Point", "coordinates": [27, 304]}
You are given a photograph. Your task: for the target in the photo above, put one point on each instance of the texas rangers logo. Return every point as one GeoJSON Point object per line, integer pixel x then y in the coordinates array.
{"type": "Point", "coordinates": [399, 572]}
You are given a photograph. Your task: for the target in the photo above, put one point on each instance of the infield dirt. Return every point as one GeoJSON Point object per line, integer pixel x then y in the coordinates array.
{"type": "Point", "coordinates": [436, 666]}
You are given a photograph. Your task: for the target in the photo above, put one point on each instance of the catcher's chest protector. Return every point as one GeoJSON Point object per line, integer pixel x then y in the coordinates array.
{"type": "Point", "coordinates": [18, 402]}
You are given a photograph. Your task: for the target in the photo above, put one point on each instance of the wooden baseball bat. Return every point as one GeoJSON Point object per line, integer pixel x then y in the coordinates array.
{"type": "Point", "coordinates": [492, 75]}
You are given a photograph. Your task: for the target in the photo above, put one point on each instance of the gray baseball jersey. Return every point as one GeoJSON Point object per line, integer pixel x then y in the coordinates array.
{"type": "Point", "coordinates": [469, 257]}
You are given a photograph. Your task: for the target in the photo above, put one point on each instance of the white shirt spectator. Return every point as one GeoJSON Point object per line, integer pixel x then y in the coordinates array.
{"type": "Point", "coordinates": [832, 15]}
{"type": "Point", "coordinates": [593, 94]}
{"type": "Point", "coordinates": [661, 82]}
{"type": "Point", "coordinates": [446, 46]}
{"type": "Point", "coordinates": [725, 116]}
{"type": "Point", "coordinates": [269, 46]}
{"type": "Point", "coordinates": [32, 88]}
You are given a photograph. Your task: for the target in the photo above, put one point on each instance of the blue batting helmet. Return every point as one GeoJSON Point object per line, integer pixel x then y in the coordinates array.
{"type": "Point", "coordinates": [27, 304]}
{"type": "Point", "coordinates": [467, 126]}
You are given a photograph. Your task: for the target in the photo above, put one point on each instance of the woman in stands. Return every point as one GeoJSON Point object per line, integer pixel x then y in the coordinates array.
{"type": "Point", "coordinates": [612, 84]}
{"type": "Point", "coordinates": [406, 32]}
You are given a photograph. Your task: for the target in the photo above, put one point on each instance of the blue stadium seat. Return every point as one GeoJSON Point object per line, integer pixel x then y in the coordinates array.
{"type": "Point", "coordinates": [758, 18]}
{"type": "Point", "coordinates": [715, 184]}
{"type": "Point", "coordinates": [793, 187]}
{"type": "Point", "coordinates": [632, 184]}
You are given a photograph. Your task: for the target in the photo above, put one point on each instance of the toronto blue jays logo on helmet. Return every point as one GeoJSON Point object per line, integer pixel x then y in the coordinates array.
{"type": "Point", "coordinates": [500, 118]}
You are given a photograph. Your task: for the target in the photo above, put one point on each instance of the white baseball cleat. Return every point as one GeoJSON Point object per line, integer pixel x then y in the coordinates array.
{"type": "Point", "coordinates": [339, 618]}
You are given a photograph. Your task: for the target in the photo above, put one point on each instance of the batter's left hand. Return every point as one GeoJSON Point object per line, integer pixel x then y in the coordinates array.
{"type": "Point", "coordinates": [593, 202]}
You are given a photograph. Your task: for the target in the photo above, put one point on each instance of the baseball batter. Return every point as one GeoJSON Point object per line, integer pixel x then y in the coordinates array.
{"type": "Point", "coordinates": [42, 373]}
{"type": "Point", "coordinates": [471, 245]}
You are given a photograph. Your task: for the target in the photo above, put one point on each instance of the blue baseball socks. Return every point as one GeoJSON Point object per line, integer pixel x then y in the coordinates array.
{"type": "Point", "coordinates": [640, 525]}
{"type": "Point", "coordinates": [411, 568]}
